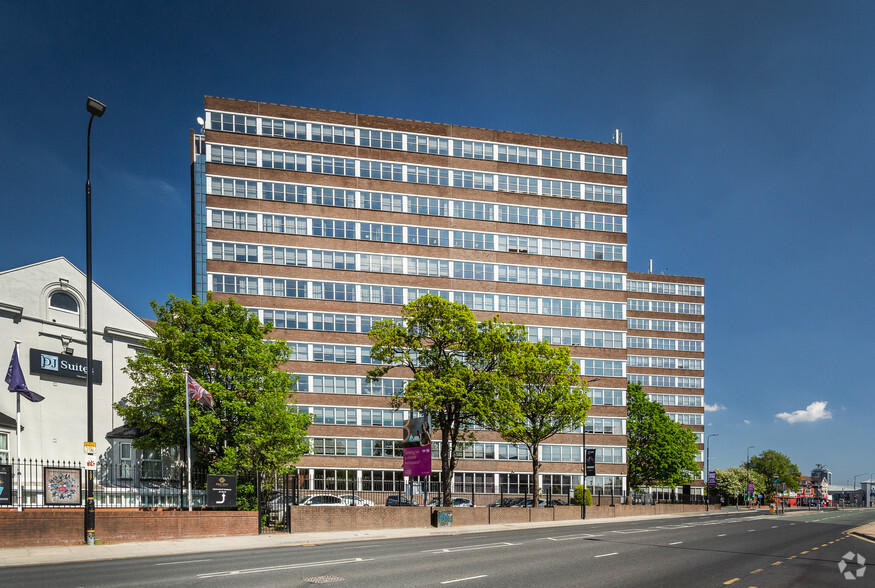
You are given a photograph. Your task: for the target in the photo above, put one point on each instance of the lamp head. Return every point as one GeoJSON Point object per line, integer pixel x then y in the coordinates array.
{"type": "Point", "coordinates": [95, 107]}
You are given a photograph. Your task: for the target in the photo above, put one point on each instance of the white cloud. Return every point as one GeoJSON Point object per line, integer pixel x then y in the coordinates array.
{"type": "Point", "coordinates": [746, 422]}
{"type": "Point", "coordinates": [816, 411]}
{"type": "Point", "coordinates": [714, 407]}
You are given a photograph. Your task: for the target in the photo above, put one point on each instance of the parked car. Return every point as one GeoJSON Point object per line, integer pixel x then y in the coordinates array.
{"type": "Point", "coordinates": [456, 502]}
{"type": "Point", "coordinates": [276, 508]}
{"type": "Point", "coordinates": [509, 501]}
{"type": "Point", "coordinates": [324, 500]}
{"type": "Point", "coordinates": [400, 500]}
{"type": "Point", "coordinates": [354, 500]}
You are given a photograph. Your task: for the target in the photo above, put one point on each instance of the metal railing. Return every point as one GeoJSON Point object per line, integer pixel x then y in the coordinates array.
{"type": "Point", "coordinates": [60, 484]}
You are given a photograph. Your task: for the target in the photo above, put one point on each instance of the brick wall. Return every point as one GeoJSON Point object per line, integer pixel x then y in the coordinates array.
{"type": "Point", "coordinates": [35, 527]}
{"type": "Point", "coordinates": [332, 518]}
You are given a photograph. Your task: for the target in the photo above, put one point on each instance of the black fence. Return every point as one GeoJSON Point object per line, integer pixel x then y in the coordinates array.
{"type": "Point", "coordinates": [61, 484]}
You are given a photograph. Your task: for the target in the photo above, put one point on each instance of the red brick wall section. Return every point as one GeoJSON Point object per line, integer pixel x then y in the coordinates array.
{"type": "Point", "coordinates": [36, 527]}
{"type": "Point", "coordinates": [332, 518]}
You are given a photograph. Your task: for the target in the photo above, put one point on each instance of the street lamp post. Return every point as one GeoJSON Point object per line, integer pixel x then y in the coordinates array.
{"type": "Point", "coordinates": [583, 506]}
{"type": "Point", "coordinates": [708, 470]}
{"type": "Point", "coordinates": [747, 464]}
{"type": "Point", "coordinates": [95, 108]}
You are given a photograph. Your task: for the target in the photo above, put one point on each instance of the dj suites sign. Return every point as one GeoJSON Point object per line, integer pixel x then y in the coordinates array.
{"type": "Point", "coordinates": [63, 365]}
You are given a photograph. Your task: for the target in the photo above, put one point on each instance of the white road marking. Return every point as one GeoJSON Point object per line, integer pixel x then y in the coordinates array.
{"type": "Point", "coordinates": [722, 535]}
{"type": "Point", "coordinates": [570, 537]}
{"type": "Point", "coordinates": [630, 531]}
{"type": "Point", "coordinates": [607, 554]}
{"type": "Point", "coordinates": [463, 579]}
{"type": "Point", "coordinates": [286, 567]}
{"type": "Point", "coordinates": [676, 543]}
{"type": "Point", "coordinates": [469, 548]}
{"type": "Point", "coordinates": [175, 563]}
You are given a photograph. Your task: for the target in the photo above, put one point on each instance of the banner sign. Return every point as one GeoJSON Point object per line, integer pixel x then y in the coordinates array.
{"type": "Point", "coordinates": [417, 433]}
{"type": "Point", "coordinates": [221, 490]}
{"type": "Point", "coordinates": [712, 479]}
{"type": "Point", "coordinates": [590, 462]}
{"type": "Point", "coordinates": [750, 487]}
{"type": "Point", "coordinates": [62, 486]}
{"type": "Point", "coordinates": [5, 485]}
{"type": "Point", "coordinates": [417, 461]}
{"type": "Point", "coordinates": [63, 365]}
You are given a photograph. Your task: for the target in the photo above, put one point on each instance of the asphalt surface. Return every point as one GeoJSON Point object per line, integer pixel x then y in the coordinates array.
{"type": "Point", "coordinates": [720, 549]}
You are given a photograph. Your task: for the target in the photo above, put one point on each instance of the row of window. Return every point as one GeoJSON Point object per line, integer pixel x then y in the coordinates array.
{"type": "Point", "coordinates": [643, 324]}
{"type": "Point", "coordinates": [379, 139]}
{"type": "Point", "coordinates": [359, 354]}
{"type": "Point", "coordinates": [288, 288]}
{"type": "Point", "coordinates": [480, 482]}
{"type": "Point", "coordinates": [319, 384]}
{"type": "Point", "coordinates": [666, 288]}
{"type": "Point", "coordinates": [667, 381]}
{"type": "Point", "coordinates": [405, 172]}
{"type": "Point", "coordinates": [417, 266]}
{"type": "Point", "coordinates": [677, 399]}
{"type": "Point", "coordinates": [663, 306]}
{"type": "Point", "coordinates": [475, 450]}
{"type": "Point", "coordinates": [672, 363]}
{"type": "Point", "coordinates": [687, 418]}
{"type": "Point", "coordinates": [391, 233]}
{"type": "Point", "coordinates": [392, 202]}
{"type": "Point", "coordinates": [350, 323]}
{"type": "Point", "coordinates": [665, 344]}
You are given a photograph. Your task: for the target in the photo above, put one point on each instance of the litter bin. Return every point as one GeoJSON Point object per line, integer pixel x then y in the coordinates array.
{"type": "Point", "coordinates": [442, 517]}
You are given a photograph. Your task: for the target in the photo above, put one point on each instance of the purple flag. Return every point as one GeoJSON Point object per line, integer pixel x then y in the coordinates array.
{"type": "Point", "coordinates": [15, 379]}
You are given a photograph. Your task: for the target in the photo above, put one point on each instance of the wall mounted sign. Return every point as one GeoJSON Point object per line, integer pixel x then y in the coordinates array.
{"type": "Point", "coordinates": [62, 486]}
{"type": "Point", "coordinates": [5, 485]}
{"type": "Point", "coordinates": [63, 365]}
{"type": "Point", "coordinates": [221, 490]}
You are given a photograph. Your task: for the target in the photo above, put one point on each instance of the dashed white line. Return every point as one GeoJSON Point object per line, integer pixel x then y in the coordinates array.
{"type": "Point", "coordinates": [607, 554]}
{"type": "Point", "coordinates": [463, 579]}
{"type": "Point", "coordinates": [175, 563]}
{"type": "Point", "coordinates": [676, 543]}
{"type": "Point", "coordinates": [469, 547]}
{"type": "Point", "coordinates": [285, 567]}
{"type": "Point", "coordinates": [722, 535]}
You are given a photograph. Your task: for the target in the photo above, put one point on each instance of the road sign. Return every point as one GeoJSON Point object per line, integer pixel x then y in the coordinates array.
{"type": "Point", "coordinates": [90, 448]}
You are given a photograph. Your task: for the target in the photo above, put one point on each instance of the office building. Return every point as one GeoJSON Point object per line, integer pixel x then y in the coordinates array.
{"type": "Point", "coordinates": [323, 222]}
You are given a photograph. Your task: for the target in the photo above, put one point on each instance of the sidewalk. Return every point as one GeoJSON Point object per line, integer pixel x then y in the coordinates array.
{"type": "Point", "coordinates": [23, 556]}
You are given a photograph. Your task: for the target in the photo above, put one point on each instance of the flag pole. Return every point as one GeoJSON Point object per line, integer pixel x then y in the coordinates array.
{"type": "Point", "coordinates": [187, 439]}
{"type": "Point", "coordinates": [18, 434]}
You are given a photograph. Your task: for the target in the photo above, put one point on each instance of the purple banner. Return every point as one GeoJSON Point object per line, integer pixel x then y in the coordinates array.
{"type": "Point", "coordinates": [712, 479]}
{"type": "Point", "coordinates": [750, 487]}
{"type": "Point", "coordinates": [417, 461]}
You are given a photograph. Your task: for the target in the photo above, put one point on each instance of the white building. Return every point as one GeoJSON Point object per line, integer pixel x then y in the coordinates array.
{"type": "Point", "coordinates": [43, 306]}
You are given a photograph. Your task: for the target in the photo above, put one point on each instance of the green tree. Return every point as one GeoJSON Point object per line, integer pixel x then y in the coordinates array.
{"type": "Point", "coordinates": [454, 362]}
{"type": "Point", "coordinates": [732, 482]}
{"type": "Point", "coordinates": [543, 396]}
{"type": "Point", "coordinates": [224, 347]}
{"type": "Point", "coordinates": [774, 464]}
{"type": "Point", "coordinates": [660, 451]}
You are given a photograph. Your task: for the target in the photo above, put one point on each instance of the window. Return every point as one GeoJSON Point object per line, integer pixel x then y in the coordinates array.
{"type": "Point", "coordinates": [63, 301]}
{"type": "Point", "coordinates": [4, 448]}
{"type": "Point", "coordinates": [152, 464]}
{"type": "Point", "coordinates": [124, 460]}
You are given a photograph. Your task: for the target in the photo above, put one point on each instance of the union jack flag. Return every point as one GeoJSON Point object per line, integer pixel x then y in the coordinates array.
{"type": "Point", "coordinates": [197, 392]}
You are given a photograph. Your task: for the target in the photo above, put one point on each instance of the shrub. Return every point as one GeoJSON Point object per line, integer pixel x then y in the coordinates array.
{"type": "Point", "coordinates": [579, 493]}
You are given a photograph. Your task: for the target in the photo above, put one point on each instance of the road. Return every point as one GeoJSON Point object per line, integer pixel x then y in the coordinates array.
{"type": "Point", "coordinates": [726, 549]}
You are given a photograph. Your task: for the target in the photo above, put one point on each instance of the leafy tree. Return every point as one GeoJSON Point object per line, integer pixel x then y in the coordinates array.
{"type": "Point", "coordinates": [733, 481]}
{"type": "Point", "coordinates": [660, 451]}
{"type": "Point", "coordinates": [773, 464]}
{"type": "Point", "coordinates": [224, 348]}
{"type": "Point", "coordinates": [454, 361]}
{"type": "Point", "coordinates": [542, 397]}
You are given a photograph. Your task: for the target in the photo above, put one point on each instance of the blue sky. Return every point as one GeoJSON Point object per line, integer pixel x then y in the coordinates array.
{"type": "Point", "coordinates": [750, 127]}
